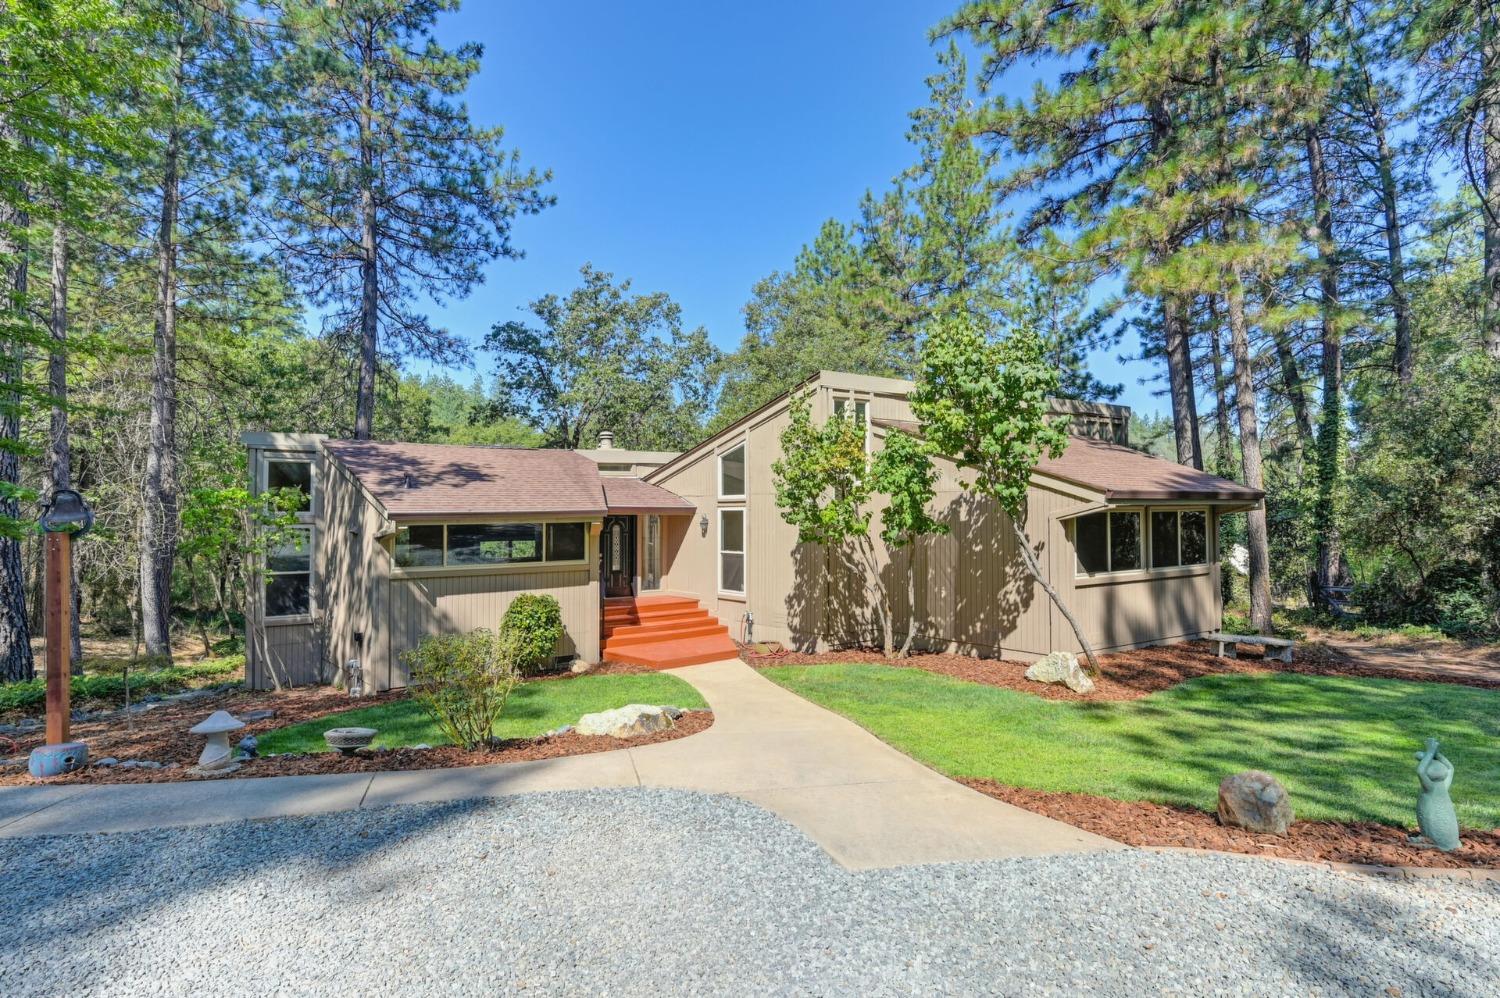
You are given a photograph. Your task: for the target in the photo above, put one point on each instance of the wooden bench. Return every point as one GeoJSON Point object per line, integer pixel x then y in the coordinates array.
{"type": "Point", "coordinates": [1279, 648]}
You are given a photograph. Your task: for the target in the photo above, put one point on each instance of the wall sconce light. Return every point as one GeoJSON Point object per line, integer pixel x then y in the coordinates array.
{"type": "Point", "coordinates": [703, 524]}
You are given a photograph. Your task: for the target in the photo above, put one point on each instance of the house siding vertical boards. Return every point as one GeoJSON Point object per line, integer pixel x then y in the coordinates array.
{"type": "Point", "coordinates": [355, 566]}
{"type": "Point", "coordinates": [458, 603]}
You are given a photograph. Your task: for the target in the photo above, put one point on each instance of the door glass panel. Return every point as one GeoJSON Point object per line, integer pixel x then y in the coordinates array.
{"type": "Point", "coordinates": [653, 553]}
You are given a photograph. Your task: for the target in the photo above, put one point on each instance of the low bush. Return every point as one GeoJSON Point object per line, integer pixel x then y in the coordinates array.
{"type": "Point", "coordinates": [534, 622]}
{"type": "Point", "coordinates": [104, 682]}
{"type": "Point", "coordinates": [463, 682]}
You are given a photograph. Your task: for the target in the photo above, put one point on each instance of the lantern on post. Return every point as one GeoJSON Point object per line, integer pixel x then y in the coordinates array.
{"type": "Point", "coordinates": [65, 517]}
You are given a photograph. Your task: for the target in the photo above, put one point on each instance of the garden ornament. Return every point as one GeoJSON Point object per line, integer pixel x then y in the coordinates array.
{"type": "Point", "coordinates": [347, 740]}
{"type": "Point", "coordinates": [217, 754]}
{"type": "Point", "coordinates": [1435, 815]}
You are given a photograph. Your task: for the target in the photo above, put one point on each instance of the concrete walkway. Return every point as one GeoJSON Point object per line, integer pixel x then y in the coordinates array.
{"type": "Point", "coordinates": [865, 803]}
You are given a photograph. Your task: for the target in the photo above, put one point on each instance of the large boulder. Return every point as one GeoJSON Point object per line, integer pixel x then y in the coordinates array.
{"type": "Point", "coordinates": [1061, 667]}
{"type": "Point", "coordinates": [629, 721]}
{"type": "Point", "coordinates": [1256, 801]}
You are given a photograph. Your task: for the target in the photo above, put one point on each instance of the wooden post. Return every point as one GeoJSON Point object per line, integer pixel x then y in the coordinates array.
{"type": "Point", "coordinates": [58, 608]}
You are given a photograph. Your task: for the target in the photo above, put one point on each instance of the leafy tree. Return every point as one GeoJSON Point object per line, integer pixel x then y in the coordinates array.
{"type": "Point", "coordinates": [982, 403]}
{"type": "Point", "coordinates": [605, 359]}
{"type": "Point", "coordinates": [388, 194]}
{"type": "Point", "coordinates": [902, 471]}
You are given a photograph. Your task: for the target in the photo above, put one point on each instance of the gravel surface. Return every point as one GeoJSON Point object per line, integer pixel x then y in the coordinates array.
{"type": "Point", "coordinates": [654, 891]}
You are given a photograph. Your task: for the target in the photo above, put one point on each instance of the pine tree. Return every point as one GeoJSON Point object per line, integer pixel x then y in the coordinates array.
{"type": "Point", "coordinates": [388, 193]}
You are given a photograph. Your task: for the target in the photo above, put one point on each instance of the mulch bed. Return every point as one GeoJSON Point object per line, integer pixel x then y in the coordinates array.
{"type": "Point", "coordinates": [1142, 823]}
{"type": "Point", "coordinates": [1128, 675]}
{"type": "Point", "coordinates": [161, 735]}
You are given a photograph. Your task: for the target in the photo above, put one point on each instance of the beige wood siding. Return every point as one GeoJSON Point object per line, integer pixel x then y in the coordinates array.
{"type": "Point", "coordinates": [292, 651]}
{"type": "Point", "coordinates": [455, 604]}
{"type": "Point", "coordinates": [354, 566]}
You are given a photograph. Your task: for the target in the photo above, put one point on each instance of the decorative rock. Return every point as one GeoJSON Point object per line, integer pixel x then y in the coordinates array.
{"type": "Point", "coordinates": [107, 761]}
{"type": "Point", "coordinates": [347, 740]}
{"type": "Point", "coordinates": [217, 726]}
{"type": "Point", "coordinates": [1256, 801]}
{"type": "Point", "coordinates": [675, 713]}
{"type": "Point", "coordinates": [1061, 667]}
{"type": "Point", "coordinates": [257, 715]}
{"type": "Point", "coordinates": [625, 722]}
{"type": "Point", "coordinates": [140, 764]}
{"type": "Point", "coordinates": [421, 748]}
{"type": "Point", "coordinates": [1435, 814]}
{"type": "Point", "coordinates": [249, 744]}
{"type": "Point", "coordinates": [579, 667]}
{"type": "Point", "coordinates": [55, 760]}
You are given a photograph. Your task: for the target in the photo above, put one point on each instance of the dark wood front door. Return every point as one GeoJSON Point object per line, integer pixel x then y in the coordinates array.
{"type": "Point", "coordinates": [617, 551]}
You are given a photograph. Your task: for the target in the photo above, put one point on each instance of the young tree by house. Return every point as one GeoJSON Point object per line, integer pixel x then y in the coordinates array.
{"type": "Point", "coordinates": [828, 487]}
{"type": "Point", "coordinates": [982, 403]}
{"type": "Point", "coordinates": [388, 193]}
{"type": "Point", "coordinates": [602, 358]}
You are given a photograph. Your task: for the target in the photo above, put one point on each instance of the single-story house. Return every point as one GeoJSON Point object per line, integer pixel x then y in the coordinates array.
{"type": "Point", "coordinates": [666, 559]}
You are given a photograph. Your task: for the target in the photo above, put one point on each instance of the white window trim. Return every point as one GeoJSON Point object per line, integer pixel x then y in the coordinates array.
{"type": "Point", "coordinates": [742, 445]}
{"type": "Point", "coordinates": [412, 571]}
{"type": "Point", "coordinates": [744, 551]}
{"type": "Point", "coordinates": [1207, 537]}
{"type": "Point", "coordinates": [311, 573]}
{"type": "Point", "coordinates": [263, 478]}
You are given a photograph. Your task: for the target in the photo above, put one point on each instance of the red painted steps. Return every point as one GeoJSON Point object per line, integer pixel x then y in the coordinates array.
{"type": "Point", "coordinates": [663, 632]}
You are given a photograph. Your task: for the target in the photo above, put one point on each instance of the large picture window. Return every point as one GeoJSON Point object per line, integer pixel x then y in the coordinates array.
{"type": "Point", "coordinates": [462, 545]}
{"type": "Point", "coordinates": [289, 575]}
{"type": "Point", "coordinates": [732, 473]}
{"type": "Point", "coordinates": [1108, 542]}
{"type": "Point", "coordinates": [732, 551]}
{"type": "Point", "coordinates": [1179, 537]}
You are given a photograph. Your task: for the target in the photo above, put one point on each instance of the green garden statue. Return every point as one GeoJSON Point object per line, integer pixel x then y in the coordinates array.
{"type": "Point", "coordinates": [1435, 815]}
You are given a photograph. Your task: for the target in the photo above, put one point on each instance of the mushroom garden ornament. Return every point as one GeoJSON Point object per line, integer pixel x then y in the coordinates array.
{"type": "Point", "coordinates": [217, 754]}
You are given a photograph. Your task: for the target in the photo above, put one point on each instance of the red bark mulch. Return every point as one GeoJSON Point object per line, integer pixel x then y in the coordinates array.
{"type": "Point", "coordinates": [161, 735]}
{"type": "Point", "coordinates": [1127, 675]}
{"type": "Point", "coordinates": [1142, 823]}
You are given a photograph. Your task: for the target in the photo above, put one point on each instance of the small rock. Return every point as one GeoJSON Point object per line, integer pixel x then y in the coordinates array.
{"type": "Point", "coordinates": [675, 713]}
{"type": "Point", "coordinates": [249, 744]}
{"type": "Point", "coordinates": [139, 764]}
{"type": "Point", "coordinates": [1061, 667]}
{"type": "Point", "coordinates": [1256, 801]}
{"type": "Point", "coordinates": [579, 667]}
{"type": "Point", "coordinates": [421, 748]}
{"type": "Point", "coordinates": [257, 715]}
{"type": "Point", "coordinates": [560, 731]}
{"type": "Point", "coordinates": [625, 722]}
{"type": "Point", "coordinates": [108, 760]}
{"type": "Point", "coordinates": [141, 708]}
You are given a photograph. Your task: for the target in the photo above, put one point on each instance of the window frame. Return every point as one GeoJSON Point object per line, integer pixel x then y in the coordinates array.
{"type": "Point", "coordinates": [861, 406]}
{"type": "Point", "coordinates": [1143, 541]}
{"type": "Point", "coordinates": [743, 446]}
{"type": "Point", "coordinates": [1208, 538]}
{"type": "Point", "coordinates": [490, 568]}
{"type": "Point", "coordinates": [290, 618]}
{"type": "Point", "coordinates": [1147, 541]}
{"type": "Point", "coordinates": [743, 552]}
{"type": "Point", "coordinates": [263, 477]}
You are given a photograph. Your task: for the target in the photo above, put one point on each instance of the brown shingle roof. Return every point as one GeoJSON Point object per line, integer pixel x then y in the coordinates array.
{"type": "Point", "coordinates": [631, 495]}
{"type": "Point", "coordinates": [445, 479]}
{"type": "Point", "coordinates": [1123, 473]}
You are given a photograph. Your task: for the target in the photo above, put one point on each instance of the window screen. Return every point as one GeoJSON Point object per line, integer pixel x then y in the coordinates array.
{"type": "Point", "coordinates": [1124, 542]}
{"type": "Point", "coordinates": [1164, 539]}
{"type": "Point", "coordinates": [732, 550]}
{"type": "Point", "coordinates": [566, 541]}
{"type": "Point", "coordinates": [493, 543]}
{"type": "Point", "coordinates": [289, 576]}
{"type": "Point", "coordinates": [419, 546]}
{"type": "Point", "coordinates": [1194, 537]}
{"type": "Point", "coordinates": [732, 472]}
{"type": "Point", "coordinates": [1091, 541]}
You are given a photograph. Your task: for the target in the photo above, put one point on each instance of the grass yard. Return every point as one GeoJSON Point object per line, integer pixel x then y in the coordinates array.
{"type": "Point", "coordinates": [535, 707]}
{"type": "Point", "coordinates": [1343, 747]}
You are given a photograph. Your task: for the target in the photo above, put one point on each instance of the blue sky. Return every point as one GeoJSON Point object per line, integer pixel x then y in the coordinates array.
{"type": "Point", "coordinates": [695, 147]}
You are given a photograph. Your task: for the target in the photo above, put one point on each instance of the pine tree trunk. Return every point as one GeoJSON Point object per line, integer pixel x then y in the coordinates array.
{"type": "Point", "coordinates": [59, 448]}
{"type": "Point", "coordinates": [1223, 436]}
{"type": "Point", "coordinates": [15, 635]}
{"type": "Point", "coordinates": [1180, 376]}
{"type": "Point", "coordinates": [1331, 429]}
{"type": "Point", "coordinates": [1395, 265]}
{"type": "Point", "coordinates": [1250, 458]}
{"type": "Point", "coordinates": [1488, 105]}
{"type": "Point", "coordinates": [369, 273]}
{"type": "Point", "coordinates": [1295, 389]}
{"type": "Point", "coordinates": [159, 501]}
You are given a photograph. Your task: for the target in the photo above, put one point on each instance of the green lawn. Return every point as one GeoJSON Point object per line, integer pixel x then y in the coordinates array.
{"type": "Point", "coordinates": [1343, 747]}
{"type": "Point", "coordinates": [535, 707]}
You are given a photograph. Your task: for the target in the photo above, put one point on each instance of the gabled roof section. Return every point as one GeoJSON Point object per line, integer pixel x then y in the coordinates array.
{"type": "Point", "coordinates": [412, 480]}
{"type": "Point", "coordinates": [631, 495]}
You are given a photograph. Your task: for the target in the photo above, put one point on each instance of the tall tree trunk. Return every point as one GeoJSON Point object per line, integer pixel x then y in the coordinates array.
{"type": "Point", "coordinates": [1487, 104]}
{"type": "Point", "coordinates": [1395, 264]}
{"type": "Point", "coordinates": [369, 273]}
{"type": "Point", "coordinates": [59, 448]}
{"type": "Point", "coordinates": [1223, 437]}
{"type": "Point", "coordinates": [1250, 460]}
{"type": "Point", "coordinates": [1178, 332]}
{"type": "Point", "coordinates": [1329, 472]}
{"type": "Point", "coordinates": [1295, 389]}
{"type": "Point", "coordinates": [15, 634]}
{"type": "Point", "coordinates": [159, 501]}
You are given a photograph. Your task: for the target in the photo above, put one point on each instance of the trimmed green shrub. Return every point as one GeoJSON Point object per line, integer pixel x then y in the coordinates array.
{"type": "Point", "coordinates": [463, 682]}
{"type": "Point", "coordinates": [31, 694]}
{"type": "Point", "coordinates": [534, 622]}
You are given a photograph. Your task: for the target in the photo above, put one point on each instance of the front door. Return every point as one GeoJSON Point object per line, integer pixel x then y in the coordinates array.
{"type": "Point", "coordinates": [618, 555]}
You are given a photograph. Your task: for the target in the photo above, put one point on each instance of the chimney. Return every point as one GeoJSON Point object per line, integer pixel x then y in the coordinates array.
{"type": "Point", "coordinates": [606, 440]}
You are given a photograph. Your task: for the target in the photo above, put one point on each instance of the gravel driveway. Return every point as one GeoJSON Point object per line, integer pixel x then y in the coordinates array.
{"type": "Point", "coordinates": [656, 891]}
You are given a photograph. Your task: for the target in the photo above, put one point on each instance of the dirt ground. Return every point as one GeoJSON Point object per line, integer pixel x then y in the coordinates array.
{"type": "Point", "coordinates": [1134, 674]}
{"type": "Point", "coordinates": [161, 735]}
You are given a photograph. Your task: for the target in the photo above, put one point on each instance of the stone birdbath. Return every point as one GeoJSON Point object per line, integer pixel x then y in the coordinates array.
{"type": "Point", "coordinates": [217, 754]}
{"type": "Point", "coordinates": [347, 740]}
